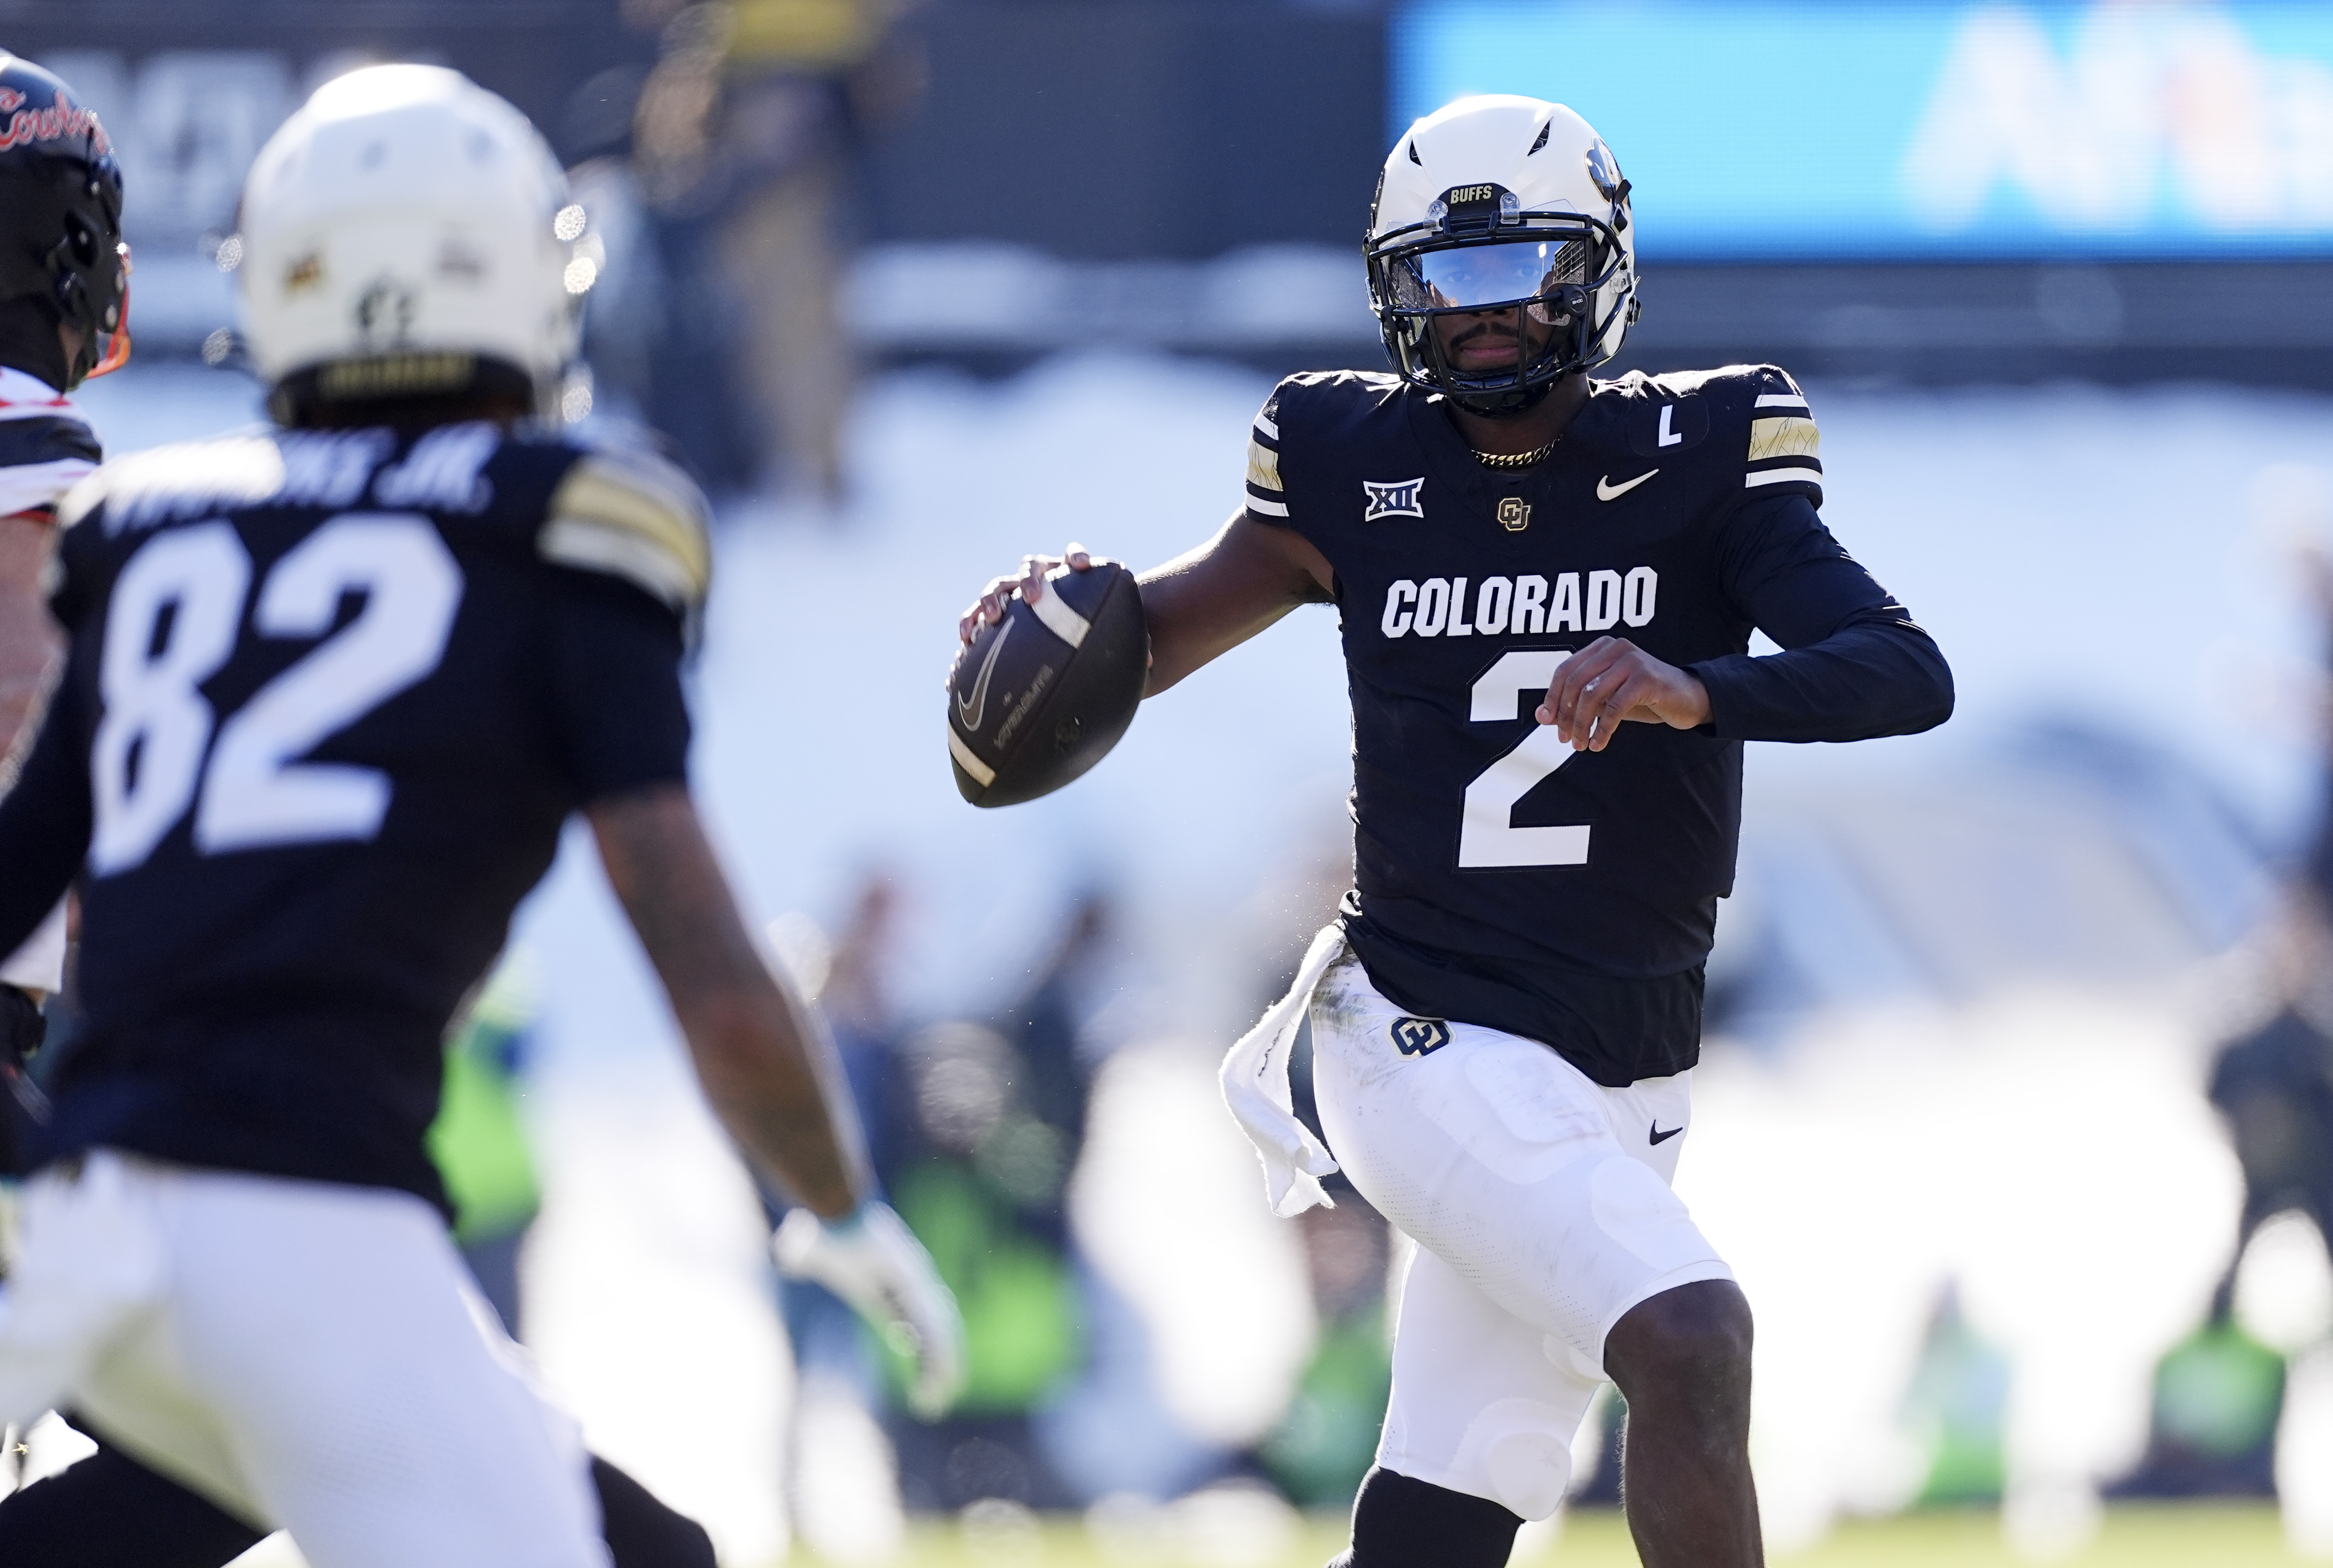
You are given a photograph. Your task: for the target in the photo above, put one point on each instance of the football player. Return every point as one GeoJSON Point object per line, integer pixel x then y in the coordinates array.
{"type": "Point", "coordinates": [329, 693]}
{"type": "Point", "coordinates": [64, 276]}
{"type": "Point", "coordinates": [63, 272]}
{"type": "Point", "coordinates": [1547, 586]}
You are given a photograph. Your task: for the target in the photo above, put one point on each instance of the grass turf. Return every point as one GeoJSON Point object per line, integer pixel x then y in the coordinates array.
{"type": "Point", "coordinates": [2195, 1535]}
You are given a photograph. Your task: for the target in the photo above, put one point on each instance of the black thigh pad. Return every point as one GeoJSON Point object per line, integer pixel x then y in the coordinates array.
{"type": "Point", "coordinates": [1402, 1523]}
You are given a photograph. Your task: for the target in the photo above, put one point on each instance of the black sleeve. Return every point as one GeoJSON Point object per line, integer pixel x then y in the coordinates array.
{"type": "Point", "coordinates": [616, 658]}
{"type": "Point", "coordinates": [1854, 664]}
{"type": "Point", "coordinates": [44, 820]}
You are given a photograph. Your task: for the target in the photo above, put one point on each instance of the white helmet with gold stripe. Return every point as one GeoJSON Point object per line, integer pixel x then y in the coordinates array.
{"type": "Point", "coordinates": [408, 233]}
{"type": "Point", "coordinates": [1501, 204]}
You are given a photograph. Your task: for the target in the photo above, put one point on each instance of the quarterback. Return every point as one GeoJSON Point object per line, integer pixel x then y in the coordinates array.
{"type": "Point", "coordinates": [1547, 585]}
{"type": "Point", "coordinates": [329, 693]}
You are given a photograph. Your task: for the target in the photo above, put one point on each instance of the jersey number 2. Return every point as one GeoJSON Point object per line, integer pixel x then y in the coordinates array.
{"type": "Point", "coordinates": [177, 608]}
{"type": "Point", "coordinates": [1487, 836]}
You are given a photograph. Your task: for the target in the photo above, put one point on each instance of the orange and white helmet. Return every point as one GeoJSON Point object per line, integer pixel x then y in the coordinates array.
{"type": "Point", "coordinates": [61, 218]}
{"type": "Point", "coordinates": [1501, 202]}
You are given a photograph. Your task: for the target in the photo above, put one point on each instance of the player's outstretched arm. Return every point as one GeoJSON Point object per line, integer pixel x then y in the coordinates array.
{"type": "Point", "coordinates": [766, 1067]}
{"type": "Point", "coordinates": [1202, 604]}
{"type": "Point", "coordinates": [771, 1072]}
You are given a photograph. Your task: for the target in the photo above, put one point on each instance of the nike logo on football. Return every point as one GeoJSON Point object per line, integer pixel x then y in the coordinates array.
{"type": "Point", "coordinates": [1607, 491]}
{"type": "Point", "coordinates": [970, 712]}
{"type": "Point", "coordinates": [1661, 1137]}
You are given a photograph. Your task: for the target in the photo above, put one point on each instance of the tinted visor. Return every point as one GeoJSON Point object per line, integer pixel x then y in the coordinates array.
{"type": "Point", "coordinates": [1492, 274]}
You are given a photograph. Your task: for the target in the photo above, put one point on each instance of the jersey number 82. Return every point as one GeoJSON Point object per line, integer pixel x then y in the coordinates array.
{"type": "Point", "coordinates": [173, 621]}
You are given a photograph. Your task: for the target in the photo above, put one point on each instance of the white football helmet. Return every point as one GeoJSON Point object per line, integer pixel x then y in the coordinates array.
{"type": "Point", "coordinates": [1509, 204]}
{"type": "Point", "coordinates": [408, 233]}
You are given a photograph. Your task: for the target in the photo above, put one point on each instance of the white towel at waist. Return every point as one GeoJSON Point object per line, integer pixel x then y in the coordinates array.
{"type": "Point", "coordinates": [1254, 1078]}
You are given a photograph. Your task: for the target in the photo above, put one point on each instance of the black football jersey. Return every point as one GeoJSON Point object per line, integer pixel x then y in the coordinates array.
{"type": "Point", "coordinates": [1501, 878]}
{"type": "Point", "coordinates": [328, 698]}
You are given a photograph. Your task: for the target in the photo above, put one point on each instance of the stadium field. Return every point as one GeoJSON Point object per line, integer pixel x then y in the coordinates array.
{"type": "Point", "coordinates": [2136, 1536]}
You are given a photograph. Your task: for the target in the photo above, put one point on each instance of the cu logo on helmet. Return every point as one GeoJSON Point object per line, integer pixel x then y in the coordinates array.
{"type": "Point", "coordinates": [1605, 170]}
{"type": "Point", "coordinates": [386, 311]}
{"type": "Point", "coordinates": [1420, 1037]}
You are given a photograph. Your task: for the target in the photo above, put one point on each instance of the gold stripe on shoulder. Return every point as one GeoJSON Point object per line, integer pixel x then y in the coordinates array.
{"type": "Point", "coordinates": [640, 520]}
{"type": "Point", "coordinates": [81, 500]}
{"type": "Point", "coordinates": [1784, 438]}
{"type": "Point", "coordinates": [1263, 466]}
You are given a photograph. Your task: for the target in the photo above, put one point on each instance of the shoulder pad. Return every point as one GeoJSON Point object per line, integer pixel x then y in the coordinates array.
{"type": "Point", "coordinates": [1784, 443]}
{"type": "Point", "coordinates": [633, 515]}
{"type": "Point", "coordinates": [82, 499]}
{"type": "Point", "coordinates": [44, 454]}
{"type": "Point", "coordinates": [1323, 399]}
{"type": "Point", "coordinates": [1356, 386]}
{"type": "Point", "coordinates": [1265, 496]}
{"type": "Point", "coordinates": [192, 479]}
{"type": "Point", "coordinates": [1317, 401]}
{"type": "Point", "coordinates": [1760, 407]}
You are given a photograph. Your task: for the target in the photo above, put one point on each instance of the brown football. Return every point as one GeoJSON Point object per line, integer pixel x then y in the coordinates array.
{"type": "Point", "coordinates": [1042, 695]}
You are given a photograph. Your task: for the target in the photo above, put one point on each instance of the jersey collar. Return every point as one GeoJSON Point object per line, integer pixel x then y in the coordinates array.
{"type": "Point", "coordinates": [21, 390]}
{"type": "Point", "coordinates": [1454, 462]}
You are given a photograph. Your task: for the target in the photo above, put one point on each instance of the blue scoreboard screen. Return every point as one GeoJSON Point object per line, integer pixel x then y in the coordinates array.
{"type": "Point", "coordinates": [1775, 129]}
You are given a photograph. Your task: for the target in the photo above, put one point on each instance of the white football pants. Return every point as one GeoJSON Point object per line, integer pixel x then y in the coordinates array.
{"type": "Point", "coordinates": [309, 1356]}
{"type": "Point", "coordinates": [1541, 1205]}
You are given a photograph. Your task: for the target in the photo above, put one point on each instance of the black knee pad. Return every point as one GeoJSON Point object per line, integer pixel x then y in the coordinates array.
{"type": "Point", "coordinates": [640, 1531]}
{"type": "Point", "coordinates": [108, 1511]}
{"type": "Point", "coordinates": [1401, 1523]}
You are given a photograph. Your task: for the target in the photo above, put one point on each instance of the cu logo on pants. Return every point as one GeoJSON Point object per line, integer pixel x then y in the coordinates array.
{"type": "Point", "coordinates": [1420, 1037]}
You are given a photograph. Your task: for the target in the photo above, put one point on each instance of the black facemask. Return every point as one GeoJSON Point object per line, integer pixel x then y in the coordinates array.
{"type": "Point", "coordinates": [28, 340]}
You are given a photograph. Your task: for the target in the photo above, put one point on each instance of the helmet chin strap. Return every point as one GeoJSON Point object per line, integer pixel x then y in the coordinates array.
{"type": "Point", "coordinates": [1511, 403]}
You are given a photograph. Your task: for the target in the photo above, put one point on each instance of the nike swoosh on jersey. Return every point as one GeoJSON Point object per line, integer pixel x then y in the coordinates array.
{"type": "Point", "coordinates": [970, 712]}
{"type": "Point", "coordinates": [1661, 1137]}
{"type": "Point", "coordinates": [1607, 491]}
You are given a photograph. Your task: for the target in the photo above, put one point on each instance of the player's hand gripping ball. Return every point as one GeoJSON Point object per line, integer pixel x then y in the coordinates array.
{"type": "Point", "coordinates": [1041, 693]}
{"type": "Point", "coordinates": [873, 1261]}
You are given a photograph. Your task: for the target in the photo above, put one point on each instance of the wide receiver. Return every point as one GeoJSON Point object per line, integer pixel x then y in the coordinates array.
{"type": "Point", "coordinates": [1546, 587]}
{"type": "Point", "coordinates": [330, 693]}
{"type": "Point", "coordinates": [64, 309]}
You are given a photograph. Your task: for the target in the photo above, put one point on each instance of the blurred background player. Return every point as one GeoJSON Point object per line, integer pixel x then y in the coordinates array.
{"type": "Point", "coordinates": [1506, 1018]}
{"type": "Point", "coordinates": [238, 1147]}
{"type": "Point", "coordinates": [984, 1125]}
{"type": "Point", "coordinates": [744, 136]}
{"type": "Point", "coordinates": [64, 275]}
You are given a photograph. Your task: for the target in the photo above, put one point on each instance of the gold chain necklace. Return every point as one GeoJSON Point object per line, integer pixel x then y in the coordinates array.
{"type": "Point", "coordinates": [1517, 460]}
